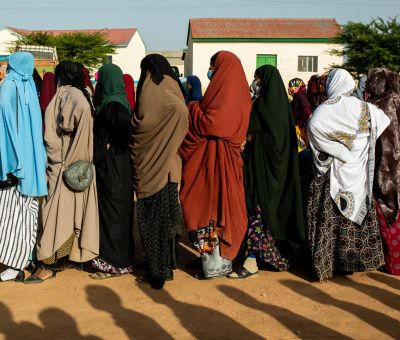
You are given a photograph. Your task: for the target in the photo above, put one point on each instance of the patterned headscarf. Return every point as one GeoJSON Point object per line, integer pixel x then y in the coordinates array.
{"type": "Point", "coordinates": [383, 90]}
{"type": "Point", "coordinates": [295, 84]}
{"type": "Point", "coordinates": [316, 90]}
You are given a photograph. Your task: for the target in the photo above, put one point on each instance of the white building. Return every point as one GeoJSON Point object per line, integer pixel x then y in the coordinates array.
{"type": "Point", "coordinates": [130, 49]}
{"type": "Point", "coordinates": [7, 39]}
{"type": "Point", "coordinates": [297, 47]}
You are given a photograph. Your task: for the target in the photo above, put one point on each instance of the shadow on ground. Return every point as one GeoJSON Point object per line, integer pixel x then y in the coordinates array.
{"type": "Point", "coordinates": [384, 323]}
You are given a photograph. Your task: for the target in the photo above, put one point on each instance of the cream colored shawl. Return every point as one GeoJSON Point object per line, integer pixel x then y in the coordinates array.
{"type": "Point", "coordinates": [343, 132]}
{"type": "Point", "coordinates": [66, 212]}
{"type": "Point", "coordinates": [159, 127]}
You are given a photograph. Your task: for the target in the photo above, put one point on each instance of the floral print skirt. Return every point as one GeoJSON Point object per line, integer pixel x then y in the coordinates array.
{"type": "Point", "coordinates": [261, 243]}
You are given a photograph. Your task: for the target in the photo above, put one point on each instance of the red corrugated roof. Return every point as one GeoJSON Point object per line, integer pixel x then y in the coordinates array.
{"type": "Point", "coordinates": [116, 36]}
{"type": "Point", "coordinates": [263, 28]}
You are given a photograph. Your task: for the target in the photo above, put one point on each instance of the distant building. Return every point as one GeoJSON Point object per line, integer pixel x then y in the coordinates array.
{"type": "Point", "coordinates": [130, 49]}
{"type": "Point", "coordinates": [297, 47]}
{"type": "Point", "coordinates": [173, 57]}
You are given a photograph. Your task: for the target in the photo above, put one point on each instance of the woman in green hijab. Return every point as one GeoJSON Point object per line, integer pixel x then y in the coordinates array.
{"type": "Point", "coordinates": [112, 133]}
{"type": "Point", "coordinates": [271, 176]}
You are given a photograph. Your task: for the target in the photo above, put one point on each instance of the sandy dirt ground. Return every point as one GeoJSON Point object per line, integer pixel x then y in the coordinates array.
{"type": "Point", "coordinates": [269, 305]}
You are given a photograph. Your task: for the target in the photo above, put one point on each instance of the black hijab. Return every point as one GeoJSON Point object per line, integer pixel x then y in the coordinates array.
{"type": "Point", "coordinates": [271, 170]}
{"type": "Point", "coordinates": [37, 79]}
{"type": "Point", "coordinates": [158, 66]}
{"type": "Point", "coordinates": [70, 73]}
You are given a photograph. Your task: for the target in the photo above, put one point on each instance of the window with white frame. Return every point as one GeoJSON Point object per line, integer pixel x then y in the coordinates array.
{"type": "Point", "coordinates": [307, 64]}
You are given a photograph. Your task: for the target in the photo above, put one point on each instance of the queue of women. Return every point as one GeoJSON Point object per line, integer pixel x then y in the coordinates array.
{"type": "Point", "coordinates": [242, 171]}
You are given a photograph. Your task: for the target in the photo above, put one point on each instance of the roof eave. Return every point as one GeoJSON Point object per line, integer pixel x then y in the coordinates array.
{"type": "Point", "coordinates": [278, 40]}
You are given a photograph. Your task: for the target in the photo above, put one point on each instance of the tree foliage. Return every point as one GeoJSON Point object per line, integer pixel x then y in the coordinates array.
{"type": "Point", "coordinates": [89, 49]}
{"type": "Point", "coordinates": [365, 46]}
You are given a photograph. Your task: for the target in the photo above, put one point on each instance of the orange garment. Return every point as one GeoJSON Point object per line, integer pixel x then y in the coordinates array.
{"type": "Point", "coordinates": [212, 176]}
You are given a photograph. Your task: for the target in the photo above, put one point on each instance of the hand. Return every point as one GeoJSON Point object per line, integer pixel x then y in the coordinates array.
{"type": "Point", "coordinates": [242, 146]}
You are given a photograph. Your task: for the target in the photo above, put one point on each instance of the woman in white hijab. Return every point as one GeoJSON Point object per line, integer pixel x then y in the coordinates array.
{"type": "Point", "coordinates": [342, 223]}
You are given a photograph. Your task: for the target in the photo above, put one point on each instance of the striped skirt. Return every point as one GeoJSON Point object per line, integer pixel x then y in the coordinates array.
{"type": "Point", "coordinates": [18, 227]}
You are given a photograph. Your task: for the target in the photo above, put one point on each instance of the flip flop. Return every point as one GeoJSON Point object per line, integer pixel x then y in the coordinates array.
{"type": "Point", "coordinates": [241, 273]}
{"type": "Point", "coordinates": [36, 279]}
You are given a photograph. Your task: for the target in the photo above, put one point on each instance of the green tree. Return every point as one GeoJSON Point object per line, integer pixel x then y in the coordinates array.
{"type": "Point", "coordinates": [89, 49]}
{"type": "Point", "coordinates": [365, 46]}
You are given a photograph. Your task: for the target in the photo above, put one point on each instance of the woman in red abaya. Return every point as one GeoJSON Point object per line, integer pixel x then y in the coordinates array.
{"type": "Point", "coordinates": [86, 80]}
{"type": "Point", "coordinates": [130, 90]}
{"type": "Point", "coordinates": [48, 90]}
{"type": "Point", "coordinates": [212, 194]}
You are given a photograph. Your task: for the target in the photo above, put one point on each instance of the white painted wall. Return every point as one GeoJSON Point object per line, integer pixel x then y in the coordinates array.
{"type": "Point", "coordinates": [199, 55]}
{"type": "Point", "coordinates": [189, 59]}
{"type": "Point", "coordinates": [7, 38]}
{"type": "Point", "coordinates": [128, 58]}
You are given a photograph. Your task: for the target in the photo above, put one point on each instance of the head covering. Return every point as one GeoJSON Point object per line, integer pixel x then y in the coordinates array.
{"type": "Point", "coordinates": [111, 88]}
{"type": "Point", "coordinates": [342, 133]}
{"type": "Point", "coordinates": [86, 79]}
{"type": "Point", "coordinates": [130, 90]}
{"type": "Point", "coordinates": [38, 80]}
{"type": "Point", "coordinates": [382, 87]}
{"type": "Point", "coordinates": [359, 92]}
{"type": "Point", "coordinates": [271, 165]}
{"type": "Point", "coordinates": [160, 123]}
{"type": "Point", "coordinates": [22, 151]}
{"type": "Point", "coordinates": [316, 90]}
{"type": "Point", "coordinates": [295, 85]}
{"type": "Point", "coordinates": [211, 155]}
{"type": "Point", "coordinates": [70, 73]}
{"type": "Point", "coordinates": [158, 66]}
{"type": "Point", "coordinates": [48, 90]}
{"type": "Point", "coordinates": [195, 93]}
{"type": "Point", "coordinates": [339, 82]}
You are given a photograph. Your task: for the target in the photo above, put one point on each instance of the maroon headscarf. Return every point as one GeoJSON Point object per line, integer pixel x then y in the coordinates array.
{"type": "Point", "coordinates": [316, 90]}
{"type": "Point", "coordinates": [48, 90]}
{"type": "Point", "coordinates": [86, 79]}
{"type": "Point", "coordinates": [383, 90]}
{"type": "Point", "coordinates": [130, 90]}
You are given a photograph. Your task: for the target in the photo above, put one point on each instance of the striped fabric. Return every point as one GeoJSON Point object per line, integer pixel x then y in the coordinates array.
{"type": "Point", "coordinates": [18, 227]}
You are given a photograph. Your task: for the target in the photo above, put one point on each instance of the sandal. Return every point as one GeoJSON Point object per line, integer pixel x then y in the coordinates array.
{"type": "Point", "coordinates": [103, 275]}
{"type": "Point", "coordinates": [19, 278]}
{"type": "Point", "coordinates": [241, 273]}
{"type": "Point", "coordinates": [36, 279]}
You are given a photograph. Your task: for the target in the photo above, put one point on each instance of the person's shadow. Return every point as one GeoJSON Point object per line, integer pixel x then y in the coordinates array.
{"type": "Point", "coordinates": [389, 281]}
{"type": "Point", "coordinates": [382, 295]}
{"type": "Point", "coordinates": [378, 320]}
{"type": "Point", "coordinates": [135, 325]}
{"type": "Point", "coordinates": [201, 322]}
{"type": "Point", "coordinates": [299, 325]}
{"type": "Point", "coordinates": [60, 325]}
{"type": "Point", "coordinates": [18, 330]}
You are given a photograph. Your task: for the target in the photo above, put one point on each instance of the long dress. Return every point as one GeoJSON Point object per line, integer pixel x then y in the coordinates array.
{"type": "Point", "coordinates": [22, 158]}
{"type": "Point", "coordinates": [70, 219]}
{"type": "Point", "coordinates": [159, 126]}
{"type": "Point", "coordinates": [212, 193]}
{"type": "Point", "coordinates": [343, 229]}
{"type": "Point", "coordinates": [383, 87]}
{"type": "Point", "coordinates": [271, 173]}
{"type": "Point", "coordinates": [115, 189]}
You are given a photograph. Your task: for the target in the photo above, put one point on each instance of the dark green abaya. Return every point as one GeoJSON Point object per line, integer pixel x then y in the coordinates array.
{"type": "Point", "coordinates": [271, 170]}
